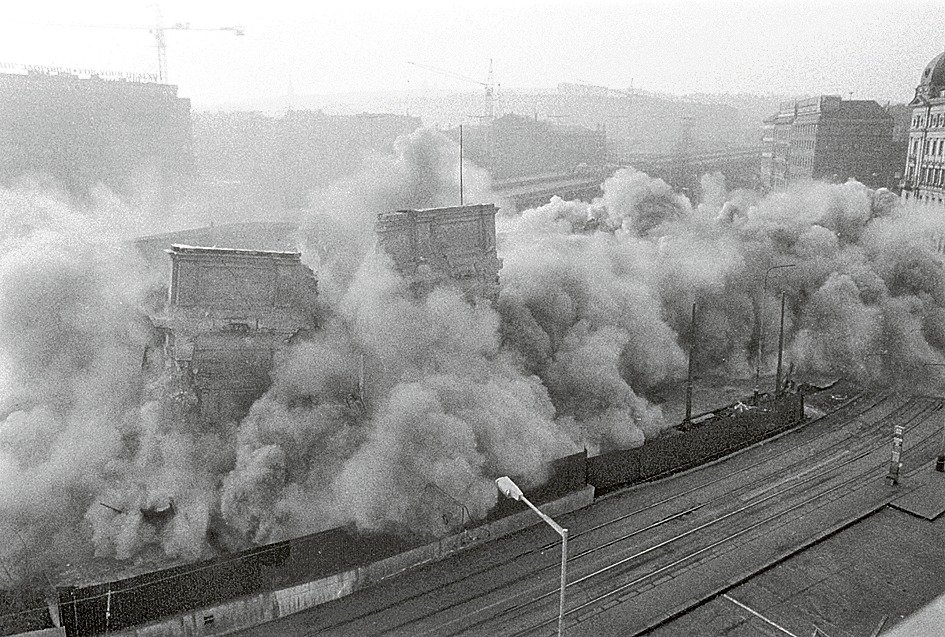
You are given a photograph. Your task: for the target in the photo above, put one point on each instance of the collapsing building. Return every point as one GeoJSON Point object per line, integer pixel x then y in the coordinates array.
{"type": "Point", "coordinates": [453, 245]}
{"type": "Point", "coordinates": [229, 312]}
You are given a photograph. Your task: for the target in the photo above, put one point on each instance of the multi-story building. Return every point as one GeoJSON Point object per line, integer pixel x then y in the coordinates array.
{"type": "Point", "coordinates": [829, 138]}
{"type": "Point", "coordinates": [924, 175]}
{"type": "Point", "coordinates": [516, 146]}
{"type": "Point", "coordinates": [251, 164]}
{"type": "Point", "coordinates": [132, 136]}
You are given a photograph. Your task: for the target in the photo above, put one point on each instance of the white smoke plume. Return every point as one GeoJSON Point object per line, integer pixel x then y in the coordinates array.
{"type": "Point", "coordinates": [97, 464]}
{"type": "Point", "coordinates": [72, 400]}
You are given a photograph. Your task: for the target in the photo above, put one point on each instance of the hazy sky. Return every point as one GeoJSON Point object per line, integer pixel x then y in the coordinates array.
{"type": "Point", "coordinates": [874, 49]}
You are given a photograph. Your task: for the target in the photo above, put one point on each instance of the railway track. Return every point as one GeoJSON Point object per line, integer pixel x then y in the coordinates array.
{"type": "Point", "coordinates": [837, 483]}
{"type": "Point", "coordinates": [851, 414]}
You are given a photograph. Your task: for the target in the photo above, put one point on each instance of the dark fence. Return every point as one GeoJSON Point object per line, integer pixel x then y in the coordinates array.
{"type": "Point", "coordinates": [720, 433]}
{"type": "Point", "coordinates": [95, 609]}
{"type": "Point", "coordinates": [614, 469]}
{"type": "Point", "coordinates": [23, 610]}
{"type": "Point", "coordinates": [566, 475]}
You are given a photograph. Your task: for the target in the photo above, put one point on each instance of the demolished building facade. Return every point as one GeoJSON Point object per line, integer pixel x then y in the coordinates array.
{"type": "Point", "coordinates": [229, 313]}
{"type": "Point", "coordinates": [444, 246]}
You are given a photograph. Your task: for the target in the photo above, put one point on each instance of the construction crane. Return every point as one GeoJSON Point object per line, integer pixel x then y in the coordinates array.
{"type": "Point", "coordinates": [158, 31]}
{"type": "Point", "coordinates": [489, 85]}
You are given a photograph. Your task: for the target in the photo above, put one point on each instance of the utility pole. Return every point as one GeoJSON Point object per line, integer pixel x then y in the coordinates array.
{"type": "Point", "coordinates": [761, 326]}
{"type": "Point", "coordinates": [692, 353]}
{"type": "Point", "coordinates": [777, 382]}
{"type": "Point", "coordinates": [940, 458]}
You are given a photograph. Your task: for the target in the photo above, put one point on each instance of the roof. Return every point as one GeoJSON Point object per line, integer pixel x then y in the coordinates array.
{"type": "Point", "coordinates": [862, 109]}
{"type": "Point", "coordinates": [934, 73]}
{"type": "Point", "coordinates": [179, 249]}
{"type": "Point", "coordinates": [451, 208]}
{"type": "Point", "coordinates": [446, 211]}
{"type": "Point", "coordinates": [243, 225]}
{"type": "Point", "coordinates": [932, 82]}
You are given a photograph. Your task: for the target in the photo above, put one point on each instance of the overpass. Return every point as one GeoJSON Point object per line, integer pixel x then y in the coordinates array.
{"type": "Point", "coordinates": [739, 166]}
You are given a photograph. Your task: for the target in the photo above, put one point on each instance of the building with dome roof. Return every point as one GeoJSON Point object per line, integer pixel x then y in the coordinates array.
{"type": "Point", "coordinates": [924, 175]}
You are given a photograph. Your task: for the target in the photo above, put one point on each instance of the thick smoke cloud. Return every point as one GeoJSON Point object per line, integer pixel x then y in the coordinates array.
{"type": "Point", "coordinates": [99, 463]}
{"type": "Point", "coordinates": [72, 337]}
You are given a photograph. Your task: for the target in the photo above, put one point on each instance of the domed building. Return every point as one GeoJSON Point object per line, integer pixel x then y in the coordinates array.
{"type": "Point", "coordinates": [924, 176]}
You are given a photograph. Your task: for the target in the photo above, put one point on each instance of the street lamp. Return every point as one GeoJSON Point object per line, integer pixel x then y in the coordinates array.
{"type": "Point", "coordinates": [761, 326]}
{"type": "Point", "coordinates": [510, 490]}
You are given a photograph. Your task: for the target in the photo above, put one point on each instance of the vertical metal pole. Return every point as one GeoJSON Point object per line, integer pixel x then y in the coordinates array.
{"type": "Point", "coordinates": [361, 378]}
{"type": "Point", "coordinates": [761, 336]}
{"type": "Point", "coordinates": [777, 382]}
{"type": "Point", "coordinates": [940, 460]}
{"type": "Point", "coordinates": [564, 580]}
{"type": "Point", "coordinates": [461, 164]}
{"type": "Point", "coordinates": [563, 532]}
{"type": "Point", "coordinates": [761, 325]}
{"type": "Point", "coordinates": [692, 351]}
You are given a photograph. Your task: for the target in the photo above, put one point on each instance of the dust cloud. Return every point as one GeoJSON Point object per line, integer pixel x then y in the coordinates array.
{"type": "Point", "coordinates": [591, 321]}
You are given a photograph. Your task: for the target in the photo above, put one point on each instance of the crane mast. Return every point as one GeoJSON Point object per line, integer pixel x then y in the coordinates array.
{"type": "Point", "coordinates": [160, 39]}
{"type": "Point", "coordinates": [489, 85]}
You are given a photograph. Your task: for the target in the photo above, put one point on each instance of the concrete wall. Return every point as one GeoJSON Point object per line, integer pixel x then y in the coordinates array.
{"type": "Point", "coordinates": [257, 609]}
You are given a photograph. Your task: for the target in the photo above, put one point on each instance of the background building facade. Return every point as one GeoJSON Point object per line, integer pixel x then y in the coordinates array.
{"type": "Point", "coordinates": [924, 175]}
{"type": "Point", "coordinates": [253, 165]}
{"type": "Point", "coordinates": [829, 138]}
{"type": "Point", "coordinates": [516, 146]}
{"type": "Point", "coordinates": [134, 137]}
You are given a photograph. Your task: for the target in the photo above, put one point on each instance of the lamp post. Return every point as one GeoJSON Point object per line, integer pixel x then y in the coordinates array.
{"type": "Point", "coordinates": [511, 490]}
{"type": "Point", "coordinates": [761, 326]}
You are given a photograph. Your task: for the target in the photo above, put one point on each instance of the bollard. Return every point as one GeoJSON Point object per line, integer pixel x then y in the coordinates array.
{"type": "Point", "coordinates": [895, 460]}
